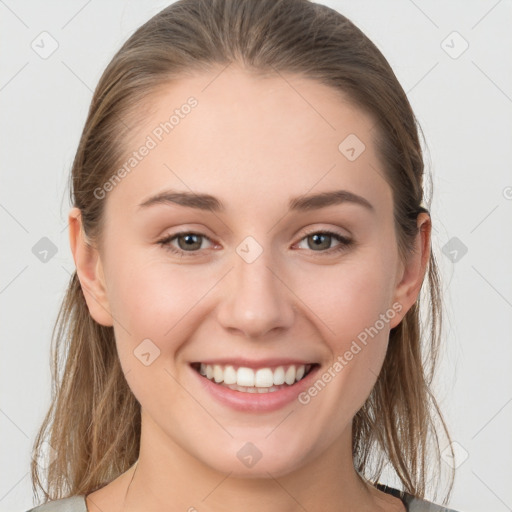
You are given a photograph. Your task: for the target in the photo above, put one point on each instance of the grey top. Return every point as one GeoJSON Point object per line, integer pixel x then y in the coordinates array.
{"type": "Point", "coordinates": [412, 504]}
{"type": "Point", "coordinates": [72, 504]}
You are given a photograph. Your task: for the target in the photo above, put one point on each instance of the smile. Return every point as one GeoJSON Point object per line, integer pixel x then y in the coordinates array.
{"type": "Point", "coordinates": [254, 386]}
{"type": "Point", "coordinates": [249, 380]}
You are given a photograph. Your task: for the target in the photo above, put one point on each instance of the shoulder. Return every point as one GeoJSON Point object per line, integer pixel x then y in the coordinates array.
{"type": "Point", "coordinates": [71, 504]}
{"type": "Point", "coordinates": [418, 505]}
{"type": "Point", "coordinates": [413, 504]}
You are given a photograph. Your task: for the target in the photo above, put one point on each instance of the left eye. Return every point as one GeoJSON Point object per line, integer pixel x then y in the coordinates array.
{"type": "Point", "coordinates": [323, 239]}
{"type": "Point", "coordinates": [189, 242]}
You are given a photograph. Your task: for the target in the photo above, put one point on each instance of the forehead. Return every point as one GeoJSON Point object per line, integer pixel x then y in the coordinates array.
{"type": "Point", "coordinates": [250, 140]}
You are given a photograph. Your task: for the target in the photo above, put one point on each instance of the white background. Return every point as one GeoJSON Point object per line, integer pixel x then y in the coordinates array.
{"type": "Point", "coordinates": [464, 106]}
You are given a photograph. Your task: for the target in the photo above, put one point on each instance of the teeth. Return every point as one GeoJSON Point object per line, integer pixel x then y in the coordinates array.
{"type": "Point", "coordinates": [251, 381]}
{"type": "Point", "coordinates": [279, 376]}
{"type": "Point", "coordinates": [253, 389]}
{"type": "Point", "coordinates": [218, 374]}
{"type": "Point", "coordinates": [230, 375]}
{"type": "Point", "coordinates": [264, 378]}
{"type": "Point", "coordinates": [289, 376]}
{"type": "Point", "coordinates": [245, 377]}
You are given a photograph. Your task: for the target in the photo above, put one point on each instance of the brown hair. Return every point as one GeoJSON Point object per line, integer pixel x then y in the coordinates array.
{"type": "Point", "coordinates": [93, 422]}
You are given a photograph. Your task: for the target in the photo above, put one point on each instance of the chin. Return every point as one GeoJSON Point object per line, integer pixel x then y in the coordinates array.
{"type": "Point", "coordinates": [256, 459]}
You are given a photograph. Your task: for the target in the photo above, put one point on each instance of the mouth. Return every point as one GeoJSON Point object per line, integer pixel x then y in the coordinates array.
{"type": "Point", "coordinates": [254, 380]}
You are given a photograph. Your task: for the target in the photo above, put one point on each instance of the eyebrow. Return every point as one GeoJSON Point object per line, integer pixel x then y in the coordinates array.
{"type": "Point", "coordinates": [301, 203]}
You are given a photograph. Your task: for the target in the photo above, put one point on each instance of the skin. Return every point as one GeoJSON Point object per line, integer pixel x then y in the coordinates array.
{"type": "Point", "coordinates": [254, 143]}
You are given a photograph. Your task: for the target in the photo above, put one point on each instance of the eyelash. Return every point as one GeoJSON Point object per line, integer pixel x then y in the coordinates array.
{"type": "Point", "coordinates": [344, 244]}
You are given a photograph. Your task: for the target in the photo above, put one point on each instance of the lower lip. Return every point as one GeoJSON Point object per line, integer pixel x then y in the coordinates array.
{"type": "Point", "coordinates": [256, 402]}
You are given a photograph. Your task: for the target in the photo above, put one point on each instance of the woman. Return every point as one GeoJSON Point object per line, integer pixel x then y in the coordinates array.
{"type": "Point", "coordinates": [242, 330]}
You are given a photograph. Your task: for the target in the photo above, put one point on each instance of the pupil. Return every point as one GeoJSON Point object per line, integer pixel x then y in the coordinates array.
{"type": "Point", "coordinates": [317, 240]}
{"type": "Point", "coordinates": [189, 240]}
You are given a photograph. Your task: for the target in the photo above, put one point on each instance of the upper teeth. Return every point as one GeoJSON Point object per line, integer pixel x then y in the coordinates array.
{"type": "Point", "coordinates": [262, 377]}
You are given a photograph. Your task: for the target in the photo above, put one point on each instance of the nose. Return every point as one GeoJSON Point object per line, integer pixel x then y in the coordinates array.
{"type": "Point", "coordinates": [257, 298]}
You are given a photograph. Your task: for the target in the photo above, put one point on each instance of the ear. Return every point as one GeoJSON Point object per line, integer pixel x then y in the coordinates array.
{"type": "Point", "coordinates": [89, 270]}
{"type": "Point", "coordinates": [411, 274]}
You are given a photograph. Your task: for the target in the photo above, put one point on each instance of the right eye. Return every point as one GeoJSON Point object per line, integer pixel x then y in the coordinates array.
{"type": "Point", "coordinates": [191, 242]}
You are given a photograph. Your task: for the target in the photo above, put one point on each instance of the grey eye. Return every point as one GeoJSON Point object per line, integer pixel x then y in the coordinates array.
{"type": "Point", "coordinates": [190, 241]}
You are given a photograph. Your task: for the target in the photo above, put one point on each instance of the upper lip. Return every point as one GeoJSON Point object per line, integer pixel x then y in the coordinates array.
{"type": "Point", "coordinates": [260, 363]}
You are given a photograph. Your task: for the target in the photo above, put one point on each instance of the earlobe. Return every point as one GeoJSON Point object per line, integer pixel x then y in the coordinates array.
{"type": "Point", "coordinates": [89, 270]}
{"type": "Point", "coordinates": [412, 273]}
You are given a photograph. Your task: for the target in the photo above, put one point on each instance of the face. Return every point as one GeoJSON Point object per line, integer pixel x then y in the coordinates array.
{"type": "Point", "coordinates": [257, 278]}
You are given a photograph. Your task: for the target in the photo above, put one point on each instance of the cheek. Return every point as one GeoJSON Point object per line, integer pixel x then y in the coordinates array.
{"type": "Point", "coordinates": [356, 310]}
{"type": "Point", "coordinates": [349, 297]}
{"type": "Point", "coordinates": [150, 297]}
{"type": "Point", "coordinates": [152, 304]}
{"type": "Point", "coordinates": [354, 306]}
